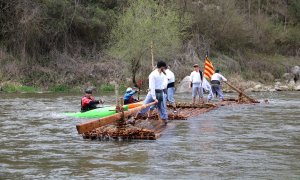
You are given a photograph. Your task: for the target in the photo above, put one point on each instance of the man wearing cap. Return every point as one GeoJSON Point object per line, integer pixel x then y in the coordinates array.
{"type": "Point", "coordinates": [156, 94]}
{"type": "Point", "coordinates": [196, 79]}
{"type": "Point", "coordinates": [88, 102]}
{"type": "Point", "coordinates": [129, 96]}
{"type": "Point", "coordinates": [216, 80]}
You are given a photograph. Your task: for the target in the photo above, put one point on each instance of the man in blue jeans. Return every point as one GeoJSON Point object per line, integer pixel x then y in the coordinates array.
{"type": "Point", "coordinates": [156, 94]}
{"type": "Point", "coordinates": [216, 80]}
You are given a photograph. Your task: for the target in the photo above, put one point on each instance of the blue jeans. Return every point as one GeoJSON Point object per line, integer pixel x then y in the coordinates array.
{"type": "Point", "coordinates": [162, 109]}
{"type": "Point", "coordinates": [170, 95]}
{"type": "Point", "coordinates": [218, 90]}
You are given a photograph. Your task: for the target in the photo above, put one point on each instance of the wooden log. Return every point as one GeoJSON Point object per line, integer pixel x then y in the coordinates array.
{"type": "Point", "coordinates": [241, 92]}
{"type": "Point", "coordinates": [90, 125]}
{"type": "Point", "coordinates": [188, 105]}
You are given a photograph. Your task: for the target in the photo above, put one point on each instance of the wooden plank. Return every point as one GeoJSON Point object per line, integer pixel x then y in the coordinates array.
{"type": "Point", "coordinates": [90, 125]}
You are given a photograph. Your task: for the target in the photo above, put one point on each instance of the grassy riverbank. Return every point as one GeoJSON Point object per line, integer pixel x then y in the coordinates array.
{"type": "Point", "coordinates": [64, 46]}
{"type": "Point", "coordinates": [10, 87]}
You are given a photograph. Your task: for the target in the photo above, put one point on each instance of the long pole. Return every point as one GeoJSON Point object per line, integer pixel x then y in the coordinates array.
{"type": "Point", "coordinates": [91, 125]}
{"type": "Point", "coordinates": [239, 91]}
{"type": "Point", "coordinates": [117, 93]}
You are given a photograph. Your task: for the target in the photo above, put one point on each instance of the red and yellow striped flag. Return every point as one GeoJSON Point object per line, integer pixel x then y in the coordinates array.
{"type": "Point", "coordinates": [208, 68]}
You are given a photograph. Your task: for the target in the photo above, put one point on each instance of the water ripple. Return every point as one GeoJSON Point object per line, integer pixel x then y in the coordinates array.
{"type": "Point", "coordinates": [235, 142]}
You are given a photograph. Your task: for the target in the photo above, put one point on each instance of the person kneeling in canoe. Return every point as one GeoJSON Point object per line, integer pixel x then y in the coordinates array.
{"type": "Point", "coordinates": [129, 96]}
{"type": "Point", "coordinates": [88, 102]}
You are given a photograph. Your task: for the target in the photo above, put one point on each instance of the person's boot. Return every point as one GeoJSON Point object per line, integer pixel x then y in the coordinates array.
{"type": "Point", "coordinates": [164, 122]}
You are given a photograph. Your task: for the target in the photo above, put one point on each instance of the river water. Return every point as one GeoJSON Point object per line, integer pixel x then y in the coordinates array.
{"type": "Point", "coordinates": [235, 142]}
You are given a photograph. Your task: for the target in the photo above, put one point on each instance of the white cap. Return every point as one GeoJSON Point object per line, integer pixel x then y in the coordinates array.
{"type": "Point", "coordinates": [129, 89]}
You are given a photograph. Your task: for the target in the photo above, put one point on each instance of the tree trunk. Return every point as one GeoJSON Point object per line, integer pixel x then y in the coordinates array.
{"type": "Point", "coordinates": [23, 51]}
{"type": "Point", "coordinates": [285, 23]}
{"type": "Point", "coordinates": [133, 77]}
{"type": "Point", "coordinates": [134, 69]}
{"type": "Point", "coordinates": [249, 9]}
{"type": "Point", "coordinates": [258, 11]}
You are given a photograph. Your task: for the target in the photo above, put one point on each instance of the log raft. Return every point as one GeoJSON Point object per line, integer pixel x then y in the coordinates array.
{"type": "Point", "coordinates": [89, 126]}
{"type": "Point", "coordinates": [146, 128]}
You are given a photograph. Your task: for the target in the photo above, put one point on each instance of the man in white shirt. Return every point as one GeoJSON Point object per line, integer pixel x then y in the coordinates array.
{"type": "Point", "coordinates": [216, 80]}
{"type": "Point", "coordinates": [196, 78]}
{"type": "Point", "coordinates": [171, 86]}
{"type": "Point", "coordinates": [157, 81]}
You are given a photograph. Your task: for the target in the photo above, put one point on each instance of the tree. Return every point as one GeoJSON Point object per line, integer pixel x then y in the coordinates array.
{"type": "Point", "coordinates": [145, 22]}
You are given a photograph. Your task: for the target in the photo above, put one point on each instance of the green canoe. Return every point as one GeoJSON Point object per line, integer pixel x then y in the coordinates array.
{"type": "Point", "coordinates": [96, 113]}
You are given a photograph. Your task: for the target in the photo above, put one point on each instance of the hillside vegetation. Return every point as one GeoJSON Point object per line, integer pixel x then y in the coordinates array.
{"type": "Point", "coordinates": [46, 43]}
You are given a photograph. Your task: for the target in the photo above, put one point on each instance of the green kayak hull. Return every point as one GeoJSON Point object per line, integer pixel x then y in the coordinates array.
{"type": "Point", "coordinates": [96, 113]}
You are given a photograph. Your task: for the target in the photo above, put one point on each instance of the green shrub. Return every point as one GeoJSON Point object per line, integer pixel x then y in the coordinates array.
{"type": "Point", "coordinates": [60, 88]}
{"type": "Point", "coordinates": [111, 88]}
{"type": "Point", "coordinates": [122, 88]}
{"type": "Point", "coordinates": [13, 88]}
{"type": "Point", "coordinates": [27, 89]}
{"type": "Point", "coordinates": [107, 88]}
{"type": "Point", "coordinates": [9, 88]}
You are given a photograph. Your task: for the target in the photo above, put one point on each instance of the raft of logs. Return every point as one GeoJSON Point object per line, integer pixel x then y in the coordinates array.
{"type": "Point", "coordinates": [125, 126]}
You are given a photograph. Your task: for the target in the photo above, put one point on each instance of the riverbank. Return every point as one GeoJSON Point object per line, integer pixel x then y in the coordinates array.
{"type": "Point", "coordinates": [15, 87]}
{"type": "Point", "coordinates": [246, 86]}
{"type": "Point", "coordinates": [289, 81]}
{"type": "Point", "coordinates": [252, 86]}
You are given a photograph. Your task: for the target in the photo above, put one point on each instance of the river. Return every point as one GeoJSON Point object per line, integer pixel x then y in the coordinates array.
{"type": "Point", "coordinates": [235, 142]}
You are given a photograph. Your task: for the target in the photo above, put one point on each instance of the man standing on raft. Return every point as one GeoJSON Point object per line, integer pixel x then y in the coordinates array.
{"type": "Point", "coordinates": [156, 86]}
{"type": "Point", "coordinates": [216, 80]}
{"type": "Point", "coordinates": [196, 79]}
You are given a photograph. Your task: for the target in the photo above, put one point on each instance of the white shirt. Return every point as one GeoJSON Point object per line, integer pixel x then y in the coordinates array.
{"type": "Point", "coordinates": [218, 77]}
{"type": "Point", "coordinates": [195, 77]}
{"type": "Point", "coordinates": [156, 81]}
{"type": "Point", "coordinates": [170, 76]}
{"type": "Point", "coordinates": [165, 81]}
{"type": "Point", "coordinates": [206, 85]}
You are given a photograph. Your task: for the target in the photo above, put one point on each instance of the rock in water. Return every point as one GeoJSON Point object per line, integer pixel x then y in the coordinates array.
{"type": "Point", "coordinates": [296, 72]}
{"type": "Point", "coordinates": [297, 87]}
{"type": "Point", "coordinates": [184, 85]}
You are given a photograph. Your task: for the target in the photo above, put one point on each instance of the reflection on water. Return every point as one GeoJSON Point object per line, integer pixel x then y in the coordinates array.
{"type": "Point", "coordinates": [235, 142]}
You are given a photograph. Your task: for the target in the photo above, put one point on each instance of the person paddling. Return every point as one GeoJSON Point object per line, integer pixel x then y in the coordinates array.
{"type": "Point", "coordinates": [216, 80]}
{"type": "Point", "coordinates": [129, 96]}
{"type": "Point", "coordinates": [88, 102]}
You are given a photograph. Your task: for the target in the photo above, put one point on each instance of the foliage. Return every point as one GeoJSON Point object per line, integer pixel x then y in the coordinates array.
{"type": "Point", "coordinates": [36, 27]}
{"type": "Point", "coordinates": [111, 88]}
{"type": "Point", "coordinates": [13, 88]}
{"type": "Point", "coordinates": [107, 88]}
{"type": "Point", "coordinates": [60, 88]}
{"type": "Point", "coordinates": [64, 43]}
{"type": "Point", "coordinates": [144, 23]}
